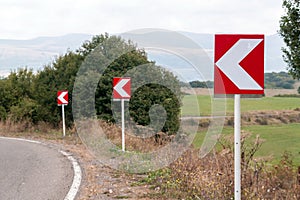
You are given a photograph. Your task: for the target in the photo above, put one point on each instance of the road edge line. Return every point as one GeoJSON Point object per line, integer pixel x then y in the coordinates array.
{"type": "Point", "coordinates": [21, 139]}
{"type": "Point", "coordinates": [76, 178]}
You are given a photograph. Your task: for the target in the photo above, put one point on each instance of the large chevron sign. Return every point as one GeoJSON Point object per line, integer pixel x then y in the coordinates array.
{"type": "Point", "coordinates": [239, 64]}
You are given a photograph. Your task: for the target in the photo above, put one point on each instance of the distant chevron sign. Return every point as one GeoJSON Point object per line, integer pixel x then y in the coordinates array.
{"type": "Point", "coordinates": [62, 97]}
{"type": "Point", "coordinates": [121, 88]}
{"type": "Point", "coordinates": [239, 64]}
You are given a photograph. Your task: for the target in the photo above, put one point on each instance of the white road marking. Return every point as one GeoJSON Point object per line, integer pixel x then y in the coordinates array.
{"type": "Point", "coordinates": [77, 177]}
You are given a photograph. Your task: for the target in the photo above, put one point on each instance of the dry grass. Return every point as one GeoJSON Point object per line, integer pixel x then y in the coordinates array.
{"type": "Point", "coordinates": [212, 177]}
{"type": "Point", "coordinates": [134, 143]}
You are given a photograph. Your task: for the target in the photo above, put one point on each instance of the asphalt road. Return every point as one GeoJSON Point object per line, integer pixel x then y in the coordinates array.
{"type": "Point", "coordinates": [30, 171]}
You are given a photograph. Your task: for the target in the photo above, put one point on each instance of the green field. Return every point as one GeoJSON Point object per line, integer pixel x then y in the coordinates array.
{"type": "Point", "coordinates": [277, 140]}
{"type": "Point", "coordinates": [191, 103]}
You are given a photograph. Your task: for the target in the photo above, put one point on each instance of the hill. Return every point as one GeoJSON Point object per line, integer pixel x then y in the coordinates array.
{"type": "Point", "coordinates": [37, 52]}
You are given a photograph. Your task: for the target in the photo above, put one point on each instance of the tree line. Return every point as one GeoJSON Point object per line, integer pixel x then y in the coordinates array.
{"type": "Point", "coordinates": [273, 80]}
{"type": "Point", "coordinates": [31, 97]}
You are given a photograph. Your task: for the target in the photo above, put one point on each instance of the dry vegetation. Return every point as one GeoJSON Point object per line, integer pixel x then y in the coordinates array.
{"type": "Point", "coordinates": [134, 143]}
{"type": "Point", "coordinates": [212, 177]}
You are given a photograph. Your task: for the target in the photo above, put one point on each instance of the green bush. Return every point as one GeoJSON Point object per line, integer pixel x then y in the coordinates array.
{"type": "Point", "coordinates": [3, 114]}
{"type": "Point", "coordinates": [26, 110]}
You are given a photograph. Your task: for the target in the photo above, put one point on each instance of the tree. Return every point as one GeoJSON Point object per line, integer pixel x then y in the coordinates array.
{"type": "Point", "coordinates": [16, 96]}
{"type": "Point", "coordinates": [25, 96]}
{"type": "Point", "coordinates": [201, 84]}
{"type": "Point", "coordinates": [156, 100]}
{"type": "Point", "coordinates": [290, 31]}
{"type": "Point", "coordinates": [98, 61]}
{"type": "Point", "coordinates": [60, 75]}
{"type": "Point", "coordinates": [123, 59]}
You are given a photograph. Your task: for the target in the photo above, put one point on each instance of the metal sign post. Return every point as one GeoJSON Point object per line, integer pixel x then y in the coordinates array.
{"type": "Point", "coordinates": [237, 146]}
{"type": "Point", "coordinates": [239, 69]}
{"type": "Point", "coordinates": [63, 119]}
{"type": "Point", "coordinates": [123, 124]}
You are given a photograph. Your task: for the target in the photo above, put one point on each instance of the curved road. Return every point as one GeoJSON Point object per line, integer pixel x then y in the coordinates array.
{"type": "Point", "coordinates": [30, 171]}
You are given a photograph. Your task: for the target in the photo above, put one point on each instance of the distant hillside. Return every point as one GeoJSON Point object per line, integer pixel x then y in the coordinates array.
{"type": "Point", "coordinates": [36, 53]}
{"type": "Point", "coordinates": [183, 68]}
{"type": "Point", "coordinates": [281, 80]}
{"type": "Point", "coordinates": [273, 54]}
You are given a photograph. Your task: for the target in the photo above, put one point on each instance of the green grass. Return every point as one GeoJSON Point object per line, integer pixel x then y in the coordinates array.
{"type": "Point", "coordinates": [191, 103]}
{"type": "Point", "coordinates": [278, 139]}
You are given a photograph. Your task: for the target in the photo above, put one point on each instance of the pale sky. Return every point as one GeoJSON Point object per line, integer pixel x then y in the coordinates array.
{"type": "Point", "coordinates": [25, 19]}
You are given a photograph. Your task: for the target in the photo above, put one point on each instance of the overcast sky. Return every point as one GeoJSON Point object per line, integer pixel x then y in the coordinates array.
{"type": "Point", "coordinates": [24, 19]}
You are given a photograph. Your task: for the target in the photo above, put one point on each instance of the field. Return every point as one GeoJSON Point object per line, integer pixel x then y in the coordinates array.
{"type": "Point", "coordinates": [277, 139]}
{"type": "Point", "coordinates": [191, 103]}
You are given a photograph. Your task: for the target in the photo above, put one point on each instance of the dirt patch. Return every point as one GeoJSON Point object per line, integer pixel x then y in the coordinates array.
{"type": "Point", "coordinates": [273, 92]}
{"type": "Point", "coordinates": [260, 118]}
{"type": "Point", "coordinates": [198, 91]}
{"type": "Point", "coordinates": [268, 92]}
{"type": "Point", "coordinates": [271, 117]}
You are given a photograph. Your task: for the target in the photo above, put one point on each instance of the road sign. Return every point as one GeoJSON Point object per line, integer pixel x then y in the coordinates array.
{"type": "Point", "coordinates": [122, 91]}
{"type": "Point", "coordinates": [62, 100]}
{"type": "Point", "coordinates": [239, 69]}
{"type": "Point", "coordinates": [121, 88]}
{"type": "Point", "coordinates": [62, 97]}
{"type": "Point", "coordinates": [239, 64]}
